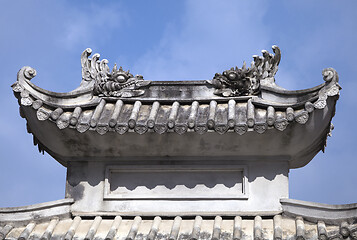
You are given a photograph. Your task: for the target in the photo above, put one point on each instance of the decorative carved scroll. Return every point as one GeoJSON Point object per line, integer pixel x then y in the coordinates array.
{"type": "Point", "coordinates": [27, 73]}
{"type": "Point", "coordinates": [117, 83]}
{"type": "Point", "coordinates": [331, 88]}
{"type": "Point", "coordinates": [246, 81]}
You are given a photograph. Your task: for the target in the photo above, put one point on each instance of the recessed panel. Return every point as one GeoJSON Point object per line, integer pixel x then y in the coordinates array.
{"type": "Point", "coordinates": [175, 183]}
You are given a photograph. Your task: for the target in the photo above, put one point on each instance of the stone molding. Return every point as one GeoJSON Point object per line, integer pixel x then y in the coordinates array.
{"type": "Point", "coordinates": [37, 212]}
{"type": "Point", "coordinates": [314, 212]}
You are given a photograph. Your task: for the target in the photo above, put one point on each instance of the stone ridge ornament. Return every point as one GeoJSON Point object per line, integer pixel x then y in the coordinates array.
{"type": "Point", "coordinates": [117, 83]}
{"type": "Point", "coordinates": [332, 87]}
{"type": "Point", "coordinates": [246, 81]}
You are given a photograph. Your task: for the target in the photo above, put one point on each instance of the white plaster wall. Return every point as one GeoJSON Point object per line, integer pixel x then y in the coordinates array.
{"type": "Point", "coordinates": [267, 184]}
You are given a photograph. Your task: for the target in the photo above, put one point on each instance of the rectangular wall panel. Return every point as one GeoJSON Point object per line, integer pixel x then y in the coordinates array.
{"type": "Point", "coordinates": [180, 182]}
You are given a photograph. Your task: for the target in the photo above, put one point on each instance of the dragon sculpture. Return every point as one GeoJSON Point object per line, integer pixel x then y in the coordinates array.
{"type": "Point", "coordinates": [117, 83]}
{"type": "Point", "coordinates": [246, 81]}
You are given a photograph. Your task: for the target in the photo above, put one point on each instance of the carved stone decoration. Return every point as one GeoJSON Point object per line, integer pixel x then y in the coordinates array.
{"type": "Point", "coordinates": [241, 128]}
{"type": "Point", "coordinates": [246, 81]}
{"type": "Point", "coordinates": [16, 87]}
{"type": "Point", "coordinates": [62, 124]}
{"type": "Point", "coordinates": [141, 128]}
{"type": "Point", "coordinates": [353, 232]}
{"type": "Point", "coordinates": [181, 128]}
{"type": "Point", "coordinates": [117, 83]}
{"type": "Point", "coordinates": [37, 104]}
{"type": "Point", "coordinates": [121, 128]}
{"type": "Point", "coordinates": [331, 88]}
{"type": "Point", "coordinates": [260, 127]}
{"type": "Point", "coordinates": [102, 129]}
{"type": "Point", "coordinates": [221, 128]}
{"type": "Point", "coordinates": [201, 128]}
{"type": "Point", "coordinates": [43, 114]}
{"type": "Point", "coordinates": [26, 100]}
{"type": "Point", "coordinates": [28, 73]}
{"type": "Point", "coordinates": [160, 128]}
{"type": "Point", "coordinates": [281, 124]}
{"type": "Point", "coordinates": [82, 127]}
{"type": "Point", "coordinates": [302, 117]}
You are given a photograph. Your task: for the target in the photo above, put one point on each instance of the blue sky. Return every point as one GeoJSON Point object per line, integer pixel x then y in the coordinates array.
{"type": "Point", "coordinates": [177, 40]}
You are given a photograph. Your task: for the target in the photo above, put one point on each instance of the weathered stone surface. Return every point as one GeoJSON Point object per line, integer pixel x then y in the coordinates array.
{"type": "Point", "coordinates": [174, 227]}
{"type": "Point", "coordinates": [182, 187]}
{"type": "Point", "coordinates": [314, 212]}
{"type": "Point", "coordinates": [39, 212]}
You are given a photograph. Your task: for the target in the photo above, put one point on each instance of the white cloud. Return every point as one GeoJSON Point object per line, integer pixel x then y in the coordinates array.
{"type": "Point", "coordinates": [92, 24]}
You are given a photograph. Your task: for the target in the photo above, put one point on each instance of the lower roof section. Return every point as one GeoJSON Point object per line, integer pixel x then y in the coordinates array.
{"type": "Point", "coordinates": [258, 228]}
{"type": "Point", "coordinates": [37, 212]}
{"type": "Point", "coordinates": [58, 222]}
{"type": "Point", "coordinates": [318, 211]}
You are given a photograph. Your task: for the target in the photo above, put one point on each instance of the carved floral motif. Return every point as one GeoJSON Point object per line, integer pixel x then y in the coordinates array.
{"type": "Point", "coordinates": [117, 83]}
{"type": "Point", "coordinates": [241, 129]}
{"type": "Point", "coordinates": [181, 129]}
{"type": "Point", "coordinates": [302, 117]}
{"type": "Point", "coordinates": [246, 81]}
{"type": "Point", "coordinates": [281, 124]}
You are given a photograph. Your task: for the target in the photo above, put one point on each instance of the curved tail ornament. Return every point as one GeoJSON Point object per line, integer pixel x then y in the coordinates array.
{"type": "Point", "coordinates": [331, 88]}
{"type": "Point", "coordinates": [25, 73]}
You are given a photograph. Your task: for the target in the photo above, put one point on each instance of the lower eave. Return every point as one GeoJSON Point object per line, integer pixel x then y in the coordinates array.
{"type": "Point", "coordinates": [298, 220]}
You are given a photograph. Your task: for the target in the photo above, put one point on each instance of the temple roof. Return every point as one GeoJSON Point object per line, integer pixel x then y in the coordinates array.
{"type": "Point", "coordinates": [238, 116]}
{"type": "Point", "coordinates": [241, 101]}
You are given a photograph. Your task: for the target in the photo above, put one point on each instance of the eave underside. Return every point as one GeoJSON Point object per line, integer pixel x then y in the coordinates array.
{"type": "Point", "coordinates": [301, 138]}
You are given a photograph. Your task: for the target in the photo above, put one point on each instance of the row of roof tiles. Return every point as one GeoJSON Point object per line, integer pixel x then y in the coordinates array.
{"type": "Point", "coordinates": [180, 118]}
{"type": "Point", "coordinates": [129, 229]}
